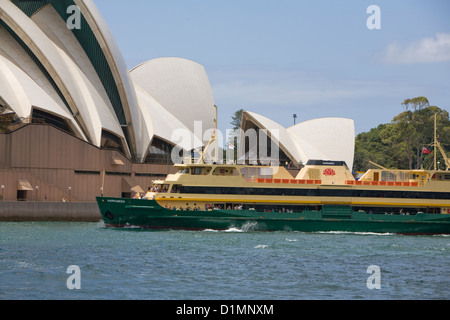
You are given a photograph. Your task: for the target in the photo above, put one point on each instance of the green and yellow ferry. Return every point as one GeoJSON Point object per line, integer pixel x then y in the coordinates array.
{"type": "Point", "coordinates": [324, 196]}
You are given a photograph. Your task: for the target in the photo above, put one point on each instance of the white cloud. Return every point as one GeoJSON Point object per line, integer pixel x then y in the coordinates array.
{"type": "Point", "coordinates": [427, 50]}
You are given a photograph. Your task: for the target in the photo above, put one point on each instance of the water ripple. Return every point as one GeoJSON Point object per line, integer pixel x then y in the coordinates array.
{"type": "Point", "coordinates": [211, 264]}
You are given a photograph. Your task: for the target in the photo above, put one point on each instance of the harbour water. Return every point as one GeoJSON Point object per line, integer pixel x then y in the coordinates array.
{"type": "Point", "coordinates": [217, 265]}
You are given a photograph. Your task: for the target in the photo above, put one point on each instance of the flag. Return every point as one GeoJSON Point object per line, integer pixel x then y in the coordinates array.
{"type": "Point", "coordinates": [425, 150]}
{"type": "Point", "coordinates": [231, 146]}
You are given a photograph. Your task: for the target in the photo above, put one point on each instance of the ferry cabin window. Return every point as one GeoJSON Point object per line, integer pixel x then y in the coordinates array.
{"type": "Point", "coordinates": [444, 177]}
{"type": "Point", "coordinates": [200, 171]}
{"type": "Point", "coordinates": [317, 192]}
{"type": "Point", "coordinates": [225, 172]}
{"type": "Point", "coordinates": [256, 172]}
{"type": "Point", "coordinates": [184, 171]}
{"type": "Point", "coordinates": [155, 188]}
{"type": "Point", "coordinates": [161, 188]}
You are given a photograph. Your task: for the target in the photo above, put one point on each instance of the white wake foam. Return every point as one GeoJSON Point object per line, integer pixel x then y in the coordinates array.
{"type": "Point", "coordinates": [261, 246]}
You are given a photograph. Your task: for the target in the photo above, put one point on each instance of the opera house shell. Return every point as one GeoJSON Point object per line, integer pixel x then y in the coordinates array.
{"type": "Point", "coordinates": [66, 96]}
{"type": "Point", "coordinates": [75, 123]}
{"type": "Point", "coordinates": [331, 139]}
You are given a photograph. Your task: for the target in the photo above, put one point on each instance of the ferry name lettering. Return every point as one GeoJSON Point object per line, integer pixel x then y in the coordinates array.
{"type": "Point", "coordinates": [116, 201]}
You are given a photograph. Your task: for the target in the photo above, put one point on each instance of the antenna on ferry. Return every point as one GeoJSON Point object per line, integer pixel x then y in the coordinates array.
{"type": "Point", "coordinates": [435, 140]}
{"type": "Point", "coordinates": [438, 145]}
{"type": "Point", "coordinates": [216, 155]}
{"type": "Point", "coordinates": [213, 138]}
{"type": "Point", "coordinates": [379, 166]}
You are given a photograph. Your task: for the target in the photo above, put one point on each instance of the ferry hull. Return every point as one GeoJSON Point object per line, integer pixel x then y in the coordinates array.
{"type": "Point", "coordinates": [149, 214]}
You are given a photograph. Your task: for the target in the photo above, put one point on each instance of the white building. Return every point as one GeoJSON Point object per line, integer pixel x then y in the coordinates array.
{"type": "Point", "coordinates": [79, 77]}
{"type": "Point", "coordinates": [319, 139]}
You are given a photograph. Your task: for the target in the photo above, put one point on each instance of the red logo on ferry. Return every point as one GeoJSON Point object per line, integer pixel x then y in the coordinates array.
{"type": "Point", "coordinates": [329, 172]}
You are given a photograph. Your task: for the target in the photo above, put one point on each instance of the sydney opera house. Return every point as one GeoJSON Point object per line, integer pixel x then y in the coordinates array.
{"type": "Point", "coordinates": [76, 123]}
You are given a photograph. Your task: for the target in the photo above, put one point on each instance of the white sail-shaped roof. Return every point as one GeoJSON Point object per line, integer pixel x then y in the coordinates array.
{"type": "Point", "coordinates": [129, 103]}
{"type": "Point", "coordinates": [80, 94]}
{"type": "Point", "coordinates": [326, 139]}
{"type": "Point", "coordinates": [275, 131]}
{"type": "Point", "coordinates": [81, 76]}
{"type": "Point", "coordinates": [22, 94]}
{"type": "Point", "coordinates": [181, 86]}
{"type": "Point", "coordinates": [174, 94]}
{"type": "Point", "coordinates": [162, 123]}
{"type": "Point", "coordinates": [318, 139]}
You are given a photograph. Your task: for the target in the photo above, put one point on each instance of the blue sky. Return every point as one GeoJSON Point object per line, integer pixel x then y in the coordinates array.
{"type": "Point", "coordinates": [312, 58]}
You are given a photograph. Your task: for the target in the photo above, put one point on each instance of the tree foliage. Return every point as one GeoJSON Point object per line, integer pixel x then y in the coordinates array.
{"type": "Point", "coordinates": [399, 144]}
{"type": "Point", "coordinates": [236, 119]}
{"type": "Point", "coordinates": [232, 139]}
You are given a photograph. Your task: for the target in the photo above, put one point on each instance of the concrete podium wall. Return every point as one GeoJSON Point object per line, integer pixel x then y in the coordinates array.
{"type": "Point", "coordinates": [49, 211]}
{"type": "Point", "coordinates": [53, 160]}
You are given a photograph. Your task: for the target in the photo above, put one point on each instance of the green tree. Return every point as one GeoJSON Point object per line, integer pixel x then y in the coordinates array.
{"type": "Point", "coordinates": [414, 130]}
{"type": "Point", "coordinates": [415, 103]}
{"type": "Point", "coordinates": [232, 139]}
{"type": "Point", "coordinates": [400, 143]}
{"type": "Point", "coordinates": [369, 146]}
{"type": "Point", "coordinates": [236, 119]}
